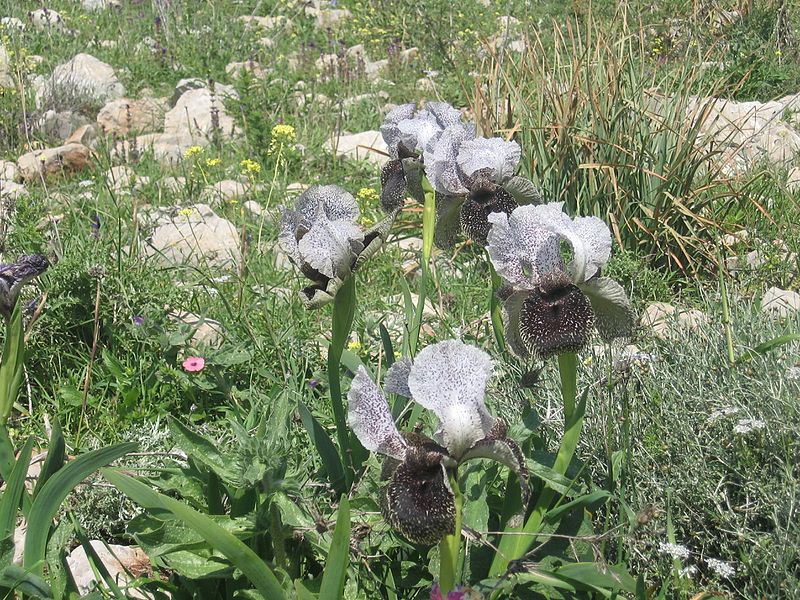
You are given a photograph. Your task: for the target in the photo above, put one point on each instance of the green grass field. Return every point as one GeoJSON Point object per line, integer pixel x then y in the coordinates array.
{"type": "Point", "coordinates": [685, 457]}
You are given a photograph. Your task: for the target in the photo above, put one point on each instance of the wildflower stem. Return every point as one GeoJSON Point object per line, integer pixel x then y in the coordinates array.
{"type": "Point", "coordinates": [428, 227]}
{"type": "Point", "coordinates": [344, 306]}
{"type": "Point", "coordinates": [495, 307]}
{"type": "Point", "coordinates": [513, 547]}
{"type": "Point", "coordinates": [450, 546]}
{"type": "Point", "coordinates": [726, 311]}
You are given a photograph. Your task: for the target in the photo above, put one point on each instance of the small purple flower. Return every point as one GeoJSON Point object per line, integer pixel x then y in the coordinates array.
{"type": "Point", "coordinates": [313, 383]}
{"type": "Point", "coordinates": [137, 320]}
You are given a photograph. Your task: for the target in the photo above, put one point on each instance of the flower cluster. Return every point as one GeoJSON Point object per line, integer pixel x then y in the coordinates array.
{"type": "Point", "coordinates": [472, 177]}
{"type": "Point", "coordinates": [552, 305]}
{"type": "Point", "coordinates": [448, 378]}
{"type": "Point", "coordinates": [322, 237]}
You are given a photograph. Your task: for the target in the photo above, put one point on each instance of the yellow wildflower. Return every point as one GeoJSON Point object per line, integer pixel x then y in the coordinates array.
{"type": "Point", "coordinates": [354, 345]}
{"type": "Point", "coordinates": [193, 151]}
{"type": "Point", "coordinates": [185, 212]}
{"type": "Point", "coordinates": [284, 134]}
{"type": "Point", "coordinates": [213, 162]}
{"type": "Point", "coordinates": [368, 195]}
{"type": "Point", "coordinates": [250, 167]}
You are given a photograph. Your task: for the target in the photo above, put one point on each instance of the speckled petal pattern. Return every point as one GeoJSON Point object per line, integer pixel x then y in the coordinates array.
{"type": "Point", "coordinates": [450, 378]}
{"type": "Point", "coordinates": [369, 417]}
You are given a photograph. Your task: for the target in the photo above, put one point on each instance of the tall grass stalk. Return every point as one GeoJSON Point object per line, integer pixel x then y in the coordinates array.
{"type": "Point", "coordinates": [605, 132]}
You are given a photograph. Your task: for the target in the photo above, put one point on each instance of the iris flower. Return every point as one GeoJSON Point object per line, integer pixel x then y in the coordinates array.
{"type": "Point", "coordinates": [551, 305]}
{"type": "Point", "coordinates": [322, 238]}
{"type": "Point", "coordinates": [448, 378]}
{"type": "Point", "coordinates": [474, 178]}
{"type": "Point", "coordinates": [407, 132]}
{"type": "Point", "coordinates": [14, 276]}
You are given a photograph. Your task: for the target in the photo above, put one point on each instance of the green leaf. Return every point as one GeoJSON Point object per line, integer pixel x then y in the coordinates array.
{"type": "Point", "coordinates": [585, 501]}
{"type": "Point", "coordinates": [15, 488]}
{"type": "Point", "coordinates": [523, 190]}
{"type": "Point", "coordinates": [327, 451]}
{"type": "Point", "coordinates": [614, 315]}
{"type": "Point", "coordinates": [19, 579]}
{"type": "Point", "coordinates": [11, 363]}
{"type": "Point", "coordinates": [339, 556]}
{"type": "Point", "coordinates": [203, 451]}
{"type": "Point", "coordinates": [55, 457]}
{"type": "Point", "coordinates": [768, 346]}
{"type": "Point", "coordinates": [388, 349]}
{"type": "Point", "coordinates": [247, 561]}
{"type": "Point", "coordinates": [52, 495]}
{"type": "Point", "coordinates": [599, 576]}
{"type": "Point", "coordinates": [302, 592]}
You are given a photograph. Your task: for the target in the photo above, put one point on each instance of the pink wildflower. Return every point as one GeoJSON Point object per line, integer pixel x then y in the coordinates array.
{"type": "Point", "coordinates": [194, 364]}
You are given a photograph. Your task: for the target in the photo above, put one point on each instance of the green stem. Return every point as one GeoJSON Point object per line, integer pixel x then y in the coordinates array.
{"type": "Point", "coordinates": [450, 547]}
{"type": "Point", "coordinates": [495, 308]}
{"type": "Point", "coordinates": [513, 547]}
{"type": "Point", "coordinates": [344, 305]}
{"type": "Point", "coordinates": [428, 228]}
{"type": "Point", "coordinates": [726, 312]}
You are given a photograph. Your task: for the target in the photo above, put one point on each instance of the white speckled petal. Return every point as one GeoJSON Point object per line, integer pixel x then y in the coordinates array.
{"type": "Point", "coordinates": [389, 129]}
{"type": "Point", "coordinates": [596, 236]}
{"type": "Point", "coordinates": [589, 237]}
{"type": "Point", "coordinates": [331, 200]}
{"type": "Point", "coordinates": [396, 379]}
{"type": "Point", "coordinates": [444, 114]}
{"type": "Point", "coordinates": [521, 250]}
{"type": "Point", "coordinates": [498, 156]}
{"type": "Point", "coordinates": [287, 238]}
{"type": "Point", "coordinates": [450, 378]}
{"type": "Point", "coordinates": [330, 247]}
{"type": "Point", "coordinates": [369, 417]}
{"type": "Point", "coordinates": [416, 133]}
{"type": "Point", "coordinates": [440, 161]}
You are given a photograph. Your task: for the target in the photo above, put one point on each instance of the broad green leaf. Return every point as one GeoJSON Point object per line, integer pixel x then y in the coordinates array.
{"type": "Point", "coordinates": [388, 349]}
{"type": "Point", "coordinates": [203, 451]}
{"type": "Point", "coordinates": [327, 451]}
{"type": "Point", "coordinates": [302, 592]}
{"type": "Point", "coordinates": [21, 580]}
{"type": "Point", "coordinates": [196, 565]}
{"type": "Point", "coordinates": [339, 556]}
{"type": "Point", "coordinates": [599, 576]}
{"type": "Point", "coordinates": [11, 363]}
{"type": "Point", "coordinates": [351, 361]}
{"type": "Point", "coordinates": [236, 551]}
{"type": "Point", "coordinates": [585, 501]}
{"type": "Point", "coordinates": [161, 536]}
{"type": "Point", "coordinates": [55, 457]}
{"type": "Point", "coordinates": [613, 311]}
{"type": "Point", "coordinates": [7, 453]}
{"type": "Point", "coordinates": [15, 488]}
{"type": "Point", "coordinates": [53, 494]}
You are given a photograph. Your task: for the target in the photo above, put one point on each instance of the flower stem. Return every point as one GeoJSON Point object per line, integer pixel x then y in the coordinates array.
{"type": "Point", "coordinates": [428, 228]}
{"type": "Point", "coordinates": [513, 547]}
{"type": "Point", "coordinates": [495, 308]}
{"type": "Point", "coordinates": [344, 306]}
{"type": "Point", "coordinates": [726, 312]}
{"type": "Point", "coordinates": [450, 547]}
